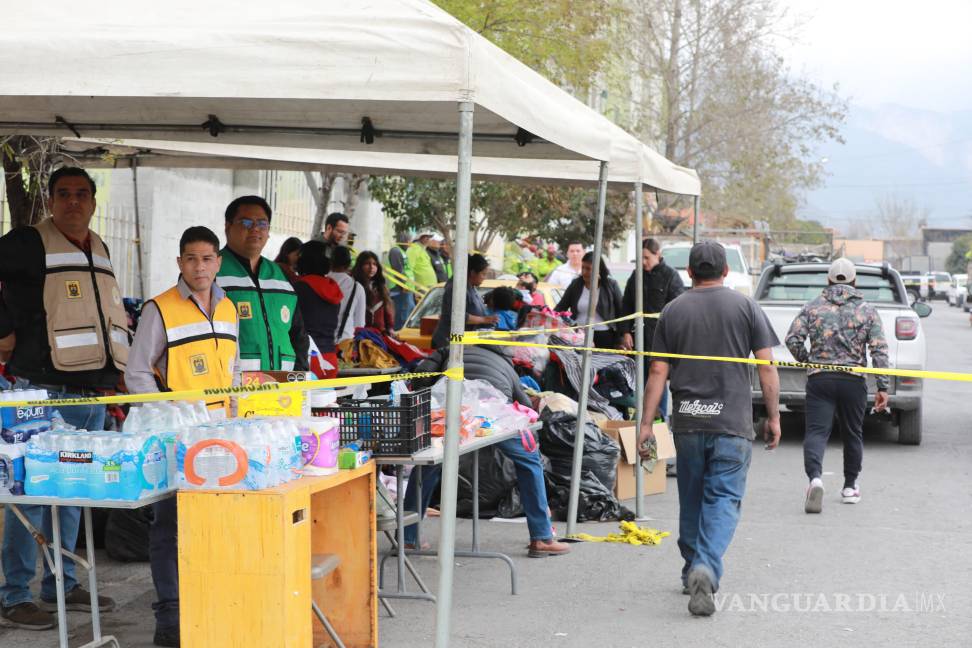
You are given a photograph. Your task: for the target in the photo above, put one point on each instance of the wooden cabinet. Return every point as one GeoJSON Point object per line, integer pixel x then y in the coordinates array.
{"type": "Point", "coordinates": [245, 563]}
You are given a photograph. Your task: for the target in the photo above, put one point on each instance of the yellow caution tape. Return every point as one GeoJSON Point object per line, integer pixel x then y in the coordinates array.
{"type": "Point", "coordinates": [402, 281]}
{"type": "Point", "coordinates": [399, 279]}
{"type": "Point", "coordinates": [455, 373]}
{"type": "Point", "coordinates": [877, 371]}
{"type": "Point", "coordinates": [630, 534]}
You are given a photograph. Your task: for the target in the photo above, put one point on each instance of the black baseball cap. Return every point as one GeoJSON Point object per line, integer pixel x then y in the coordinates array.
{"type": "Point", "coordinates": [707, 256]}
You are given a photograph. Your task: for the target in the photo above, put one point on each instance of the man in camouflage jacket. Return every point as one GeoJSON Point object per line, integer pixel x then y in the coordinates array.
{"type": "Point", "coordinates": [842, 328]}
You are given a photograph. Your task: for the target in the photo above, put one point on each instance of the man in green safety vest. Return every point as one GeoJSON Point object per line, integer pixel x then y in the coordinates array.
{"type": "Point", "coordinates": [272, 335]}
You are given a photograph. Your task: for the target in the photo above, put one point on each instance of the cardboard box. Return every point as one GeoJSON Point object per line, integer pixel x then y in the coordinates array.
{"type": "Point", "coordinates": [626, 434]}
{"type": "Point", "coordinates": [274, 403]}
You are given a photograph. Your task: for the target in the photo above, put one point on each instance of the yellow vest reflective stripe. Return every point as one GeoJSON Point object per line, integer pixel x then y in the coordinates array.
{"type": "Point", "coordinates": [87, 326]}
{"type": "Point", "coordinates": [199, 353]}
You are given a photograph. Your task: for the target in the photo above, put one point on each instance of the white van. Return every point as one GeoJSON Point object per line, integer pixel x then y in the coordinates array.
{"type": "Point", "coordinates": [677, 255]}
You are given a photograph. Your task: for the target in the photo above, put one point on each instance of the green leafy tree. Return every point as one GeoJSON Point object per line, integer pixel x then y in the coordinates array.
{"type": "Point", "coordinates": [958, 259]}
{"type": "Point", "coordinates": [564, 39]}
{"type": "Point", "coordinates": [547, 213]}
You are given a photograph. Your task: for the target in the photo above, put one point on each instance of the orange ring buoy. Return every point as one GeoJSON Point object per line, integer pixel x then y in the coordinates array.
{"type": "Point", "coordinates": [242, 463]}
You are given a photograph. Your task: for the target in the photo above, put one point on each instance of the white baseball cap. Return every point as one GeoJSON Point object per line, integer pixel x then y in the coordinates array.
{"type": "Point", "coordinates": [842, 271]}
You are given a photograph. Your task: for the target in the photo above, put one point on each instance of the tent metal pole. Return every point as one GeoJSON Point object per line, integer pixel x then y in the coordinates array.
{"type": "Point", "coordinates": [586, 364]}
{"type": "Point", "coordinates": [695, 220]}
{"type": "Point", "coordinates": [450, 461]}
{"type": "Point", "coordinates": [639, 340]}
{"type": "Point", "coordinates": [138, 229]}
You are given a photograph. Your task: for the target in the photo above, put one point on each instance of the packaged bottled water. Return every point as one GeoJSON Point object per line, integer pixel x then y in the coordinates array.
{"type": "Point", "coordinates": [12, 470]}
{"type": "Point", "coordinates": [74, 456]}
{"type": "Point", "coordinates": [19, 424]}
{"type": "Point", "coordinates": [41, 465]}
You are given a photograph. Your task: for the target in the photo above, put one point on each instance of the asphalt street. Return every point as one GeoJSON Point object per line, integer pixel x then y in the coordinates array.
{"type": "Point", "coordinates": [894, 570]}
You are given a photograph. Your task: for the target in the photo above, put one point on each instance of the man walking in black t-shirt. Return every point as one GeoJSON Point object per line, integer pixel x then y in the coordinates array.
{"type": "Point", "coordinates": [712, 416]}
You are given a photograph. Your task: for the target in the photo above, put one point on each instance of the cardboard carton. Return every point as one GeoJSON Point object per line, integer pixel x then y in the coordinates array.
{"type": "Point", "coordinates": [626, 434]}
{"type": "Point", "coordinates": [274, 403]}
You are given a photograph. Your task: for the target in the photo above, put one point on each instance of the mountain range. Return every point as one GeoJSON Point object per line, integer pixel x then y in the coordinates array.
{"type": "Point", "coordinates": [893, 150]}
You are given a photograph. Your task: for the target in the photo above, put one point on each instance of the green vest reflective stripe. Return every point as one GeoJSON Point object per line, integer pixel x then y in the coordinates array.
{"type": "Point", "coordinates": [265, 310]}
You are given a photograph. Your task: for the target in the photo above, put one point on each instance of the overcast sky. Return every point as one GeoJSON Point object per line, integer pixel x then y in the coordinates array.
{"type": "Point", "coordinates": [917, 54]}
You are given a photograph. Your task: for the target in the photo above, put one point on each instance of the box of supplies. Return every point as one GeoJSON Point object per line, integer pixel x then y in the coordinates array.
{"type": "Point", "coordinates": [626, 434]}
{"type": "Point", "coordinates": [274, 403]}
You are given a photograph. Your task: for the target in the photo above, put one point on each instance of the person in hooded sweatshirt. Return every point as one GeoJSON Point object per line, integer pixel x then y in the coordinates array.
{"type": "Point", "coordinates": [354, 300]}
{"type": "Point", "coordinates": [319, 298]}
{"type": "Point", "coordinates": [842, 327]}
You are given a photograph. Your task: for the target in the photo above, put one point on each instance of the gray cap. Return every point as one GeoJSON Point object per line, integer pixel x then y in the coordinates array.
{"type": "Point", "coordinates": [842, 271]}
{"type": "Point", "coordinates": [706, 256]}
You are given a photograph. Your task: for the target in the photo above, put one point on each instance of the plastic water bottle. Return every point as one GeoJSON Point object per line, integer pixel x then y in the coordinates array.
{"type": "Point", "coordinates": [74, 459]}
{"type": "Point", "coordinates": [41, 466]}
{"type": "Point", "coordinates": [12, 467]}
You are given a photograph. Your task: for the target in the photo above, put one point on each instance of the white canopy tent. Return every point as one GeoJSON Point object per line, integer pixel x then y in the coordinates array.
{"type": "Point", "coordinates": [631, 160]}
{"type": "Point", "coordinates": [286, 73]}
{"type": "Point", "coordinates": [379, 79]}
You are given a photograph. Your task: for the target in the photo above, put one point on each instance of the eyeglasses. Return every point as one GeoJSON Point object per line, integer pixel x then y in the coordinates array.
{"type": "Point", "coordinates": [249, 223]}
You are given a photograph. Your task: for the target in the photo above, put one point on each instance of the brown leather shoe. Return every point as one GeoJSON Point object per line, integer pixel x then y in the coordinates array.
{"type": "Point", "coordinates": [544, 548]}
{"type": "Point", "coordinates": [27, 616]}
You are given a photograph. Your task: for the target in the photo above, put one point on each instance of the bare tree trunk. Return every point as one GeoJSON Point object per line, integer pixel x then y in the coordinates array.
{"type": "Point", "coordinates": [321, 193]}
{"type": "Point", "coordinates": [25, 202]}
{"type": "Point", "coordinates": [672, 83]}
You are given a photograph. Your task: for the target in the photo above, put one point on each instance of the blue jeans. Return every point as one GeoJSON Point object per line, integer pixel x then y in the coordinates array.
{"type": "Point", "coordinates": [19, 552]}
{"type": "Point", "coordinates": [711, 483]}
{"type": "Point", "coordinates": [404, 303]}
{"type": "Point", "coordinates": [529, 478]}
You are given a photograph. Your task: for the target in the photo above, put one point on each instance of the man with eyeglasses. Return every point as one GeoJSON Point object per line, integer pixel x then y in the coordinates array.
{"type": "Point", "coordinates": [272, 336]}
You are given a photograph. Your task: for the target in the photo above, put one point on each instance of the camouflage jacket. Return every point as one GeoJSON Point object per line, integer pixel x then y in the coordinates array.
{"type": "Point", "coordinates": [842, 328]}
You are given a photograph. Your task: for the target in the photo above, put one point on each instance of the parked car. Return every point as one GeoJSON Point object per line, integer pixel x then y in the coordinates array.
{"type": "Point", "coordinates": [677, 255]}
{"type": "Point", "coordinates": [430, 306]}
{"type": "Point", "coordinates": [916, 284]}
{"type": "Point", "coordinates": [938, 283]}
{"type": "Point", "coordinates": [957, 290]}
{"type": "Point", "coordinates": [783, 290]}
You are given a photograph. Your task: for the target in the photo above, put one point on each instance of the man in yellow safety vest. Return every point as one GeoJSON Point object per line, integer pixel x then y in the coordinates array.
{"type": "Point", "coordinates": [186, 339]}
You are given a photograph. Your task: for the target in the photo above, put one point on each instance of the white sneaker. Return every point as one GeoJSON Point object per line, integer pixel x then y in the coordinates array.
{"type": "Point", "coordinates": [815, 493]}
{"type": "Point", "coordinates": [851, 495]}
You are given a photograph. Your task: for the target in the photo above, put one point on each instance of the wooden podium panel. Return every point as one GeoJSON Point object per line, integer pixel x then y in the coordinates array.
{"type": "Point", "coordinates": [245, 563]}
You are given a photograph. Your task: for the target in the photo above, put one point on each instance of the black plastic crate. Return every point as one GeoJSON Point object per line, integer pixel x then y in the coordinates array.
{"type": "Point", "coordinates": [384, 429]}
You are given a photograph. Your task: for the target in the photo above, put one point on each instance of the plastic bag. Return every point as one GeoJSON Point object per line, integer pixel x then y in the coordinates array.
{"type": "Point", "coordinates": [470, 424]}
{"type": "Point", "coordinates": [599, 468]}
{"type": "Point", "coordinates": [497, 480]}
{"type": "Point", "coordinates": [127, 534]}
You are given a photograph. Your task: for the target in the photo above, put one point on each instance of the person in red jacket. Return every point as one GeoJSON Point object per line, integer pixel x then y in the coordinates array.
{"type": "Point", "coordinates": [319, 298]}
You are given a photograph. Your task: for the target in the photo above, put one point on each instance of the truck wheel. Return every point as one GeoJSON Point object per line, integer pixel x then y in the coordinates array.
{"type": "Point", "coordinates": [913, 297]}
{"type": "Point", "coordinates": [909, 427]}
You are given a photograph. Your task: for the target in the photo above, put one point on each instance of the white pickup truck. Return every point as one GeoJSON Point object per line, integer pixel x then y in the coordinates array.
{"type": "Point", "coordinates": [784, 289]}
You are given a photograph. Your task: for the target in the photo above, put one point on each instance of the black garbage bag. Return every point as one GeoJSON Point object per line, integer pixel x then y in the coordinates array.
{"type": "Point", "coordinates": [595, 503]}
{"type": "Point", "coordinates": [99, 520]}
{"type": "Point", "coordinates": [127, 534]}
{"type": "Point", "coordinates": [497, 479]}
{"type": "Point", "coordinates": [601, 452]}
{"type": "Point", "coordinates": [599, 469]}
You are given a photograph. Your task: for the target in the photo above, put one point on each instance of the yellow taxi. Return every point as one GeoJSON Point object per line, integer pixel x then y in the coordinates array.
{"type": "Point", "coordinates": [430, 306]}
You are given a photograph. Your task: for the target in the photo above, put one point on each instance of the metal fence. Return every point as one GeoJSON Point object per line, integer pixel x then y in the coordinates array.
{"type": "Point", "coordinates": [286, 191]}
{"type": "Point", "coordinates": [292, 202]}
